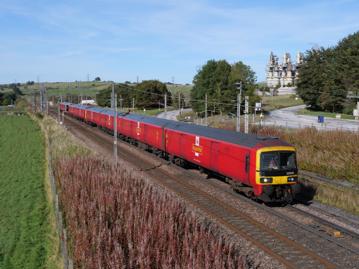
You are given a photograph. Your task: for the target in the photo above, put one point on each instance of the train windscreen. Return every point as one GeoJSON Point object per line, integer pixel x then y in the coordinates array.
{"type": "Point", "coordinates": [275, 162]}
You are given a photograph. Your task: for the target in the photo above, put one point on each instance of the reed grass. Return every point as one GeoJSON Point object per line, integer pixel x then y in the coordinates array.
{"type": "Point", "coordinates": [117, 220]}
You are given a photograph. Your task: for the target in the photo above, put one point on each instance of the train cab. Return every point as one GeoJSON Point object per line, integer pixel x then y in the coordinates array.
{"type": "Point", "coordinates": [276, 173]}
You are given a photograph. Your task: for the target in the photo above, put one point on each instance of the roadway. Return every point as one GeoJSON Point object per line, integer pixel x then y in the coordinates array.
{"type": "Point", "coordinates": [288, 117]}
{"type": "Point", "coordinates": [172, 115]}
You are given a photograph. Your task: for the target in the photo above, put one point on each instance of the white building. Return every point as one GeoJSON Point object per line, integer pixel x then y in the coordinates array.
{"type": "Point", "coordinates": [283, 74]}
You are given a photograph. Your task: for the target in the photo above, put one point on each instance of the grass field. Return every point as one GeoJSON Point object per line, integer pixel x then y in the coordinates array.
{"type": "Point", "coordinates": [149, 112]}
{"type": "Point", "coordinates": [69, 88]}
{"type": "Point", "coordinates": [24, 212]}
{"type": "Point", "coordinates": [185, 89]}
{"type": "Point", "coordinates": [325, 114]}
{"type": "Point", "coordinates": [276, 102]}
{"type": "Point", "coordinates": [90, 88]}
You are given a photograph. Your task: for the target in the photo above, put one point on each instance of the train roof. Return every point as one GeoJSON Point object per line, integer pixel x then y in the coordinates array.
{"type": "Point", "coordinates": [247, 140]}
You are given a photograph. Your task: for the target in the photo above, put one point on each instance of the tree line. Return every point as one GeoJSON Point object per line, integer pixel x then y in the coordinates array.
{"type": "Point", "coordinates": [220, 80]}
{"type": "Point", "coordinates": [329, 75]}
{"type": "Point", "coordinates": [147, 94]}
{"type": "Point", "coordinates": [216, 79]}
{"type": "Point", "coordinates": [9, 94]}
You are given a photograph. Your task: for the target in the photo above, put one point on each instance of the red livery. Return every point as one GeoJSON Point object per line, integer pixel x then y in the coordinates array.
{"type": "Point", "coordinates": [262, 167]}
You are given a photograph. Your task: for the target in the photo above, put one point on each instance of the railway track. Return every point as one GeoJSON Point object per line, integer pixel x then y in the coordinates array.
{"type": "Point", "coordinates": [286, 251]}
{"type": "Point", "coordinates": [339, 248]}
{"type": "Point", "coordinates": [318, 179]}
{"type": "Point", "coordinates": [336, 230]}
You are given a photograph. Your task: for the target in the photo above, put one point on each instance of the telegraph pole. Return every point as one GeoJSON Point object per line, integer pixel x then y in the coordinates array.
{"type": "Point", "coordinates": [205, 111]}
{"type": "Point", "coordinates": [33, 102]}
{"type": "Point", "coordinates": [246, 110]}
{"type": "Point", "coordinates": [179, 101]}
{"type": "Point", "coordinates": [115, 128]}
{"type": "Point", "coordinates": [47, 101]}
{"type": "Point", "coordinates": [121, 108]}
{"type": "Point", "coordinates": [59, 101]}
{"type": "Point", "coordinates": [113, 96]}
{"type": "Point", "coordinates": [41, 97]}
{"type": "Point", "coordinates": [238, 126]}
{"type": "Point", "coordinates": [133, 104]}
{"type": "Point", "coordinates": [239, 101]}
{"type": "Point", "coordinates": [165, 102]}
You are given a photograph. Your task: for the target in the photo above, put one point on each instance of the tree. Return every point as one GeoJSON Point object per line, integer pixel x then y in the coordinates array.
{"type": "Point", "coordinates": [217, 79]}
{"type": "Point", "coordinates": [328, 75]}
{"type": "Point", "coordinates": [147, 94]}
{"type": "Point", "coordinates": [97, 79]}
{"type": "Point", "coordinates": [7, 98]}
{"type": "Point", "coordinates": [124, 91]}
{"type": "Point", "coordinates": [16, 89]}
{"type": "Point", "coordinates": [150, 93]}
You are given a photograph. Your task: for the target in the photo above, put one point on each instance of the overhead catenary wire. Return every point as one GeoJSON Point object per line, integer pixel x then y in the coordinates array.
{"type": "Point", "coordinates": [210, 101]}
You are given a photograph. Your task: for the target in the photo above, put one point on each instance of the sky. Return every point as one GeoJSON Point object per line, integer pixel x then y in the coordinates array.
{"type": "Point", "coordinates": [68, 40]}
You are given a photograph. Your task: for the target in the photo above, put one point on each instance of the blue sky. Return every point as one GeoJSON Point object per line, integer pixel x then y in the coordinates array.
{"type": "Point", "coordinates": [119, 40]}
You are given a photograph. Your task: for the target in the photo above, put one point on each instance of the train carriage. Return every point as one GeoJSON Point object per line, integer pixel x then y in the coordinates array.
{"type": "Point", "coordinates": [262, 167]}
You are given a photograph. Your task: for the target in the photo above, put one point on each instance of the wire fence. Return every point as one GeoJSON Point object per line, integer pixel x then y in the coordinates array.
{"type": "Point", "coordinates": [68, 263]}
{"type": "Point", "coordinates": [257, 121]}
{"type": "Point", "coordinates": [328, 126]}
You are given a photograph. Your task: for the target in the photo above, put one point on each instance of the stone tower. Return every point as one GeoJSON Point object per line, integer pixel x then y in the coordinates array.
{"type": "Point", "coordinates": [284, 74]}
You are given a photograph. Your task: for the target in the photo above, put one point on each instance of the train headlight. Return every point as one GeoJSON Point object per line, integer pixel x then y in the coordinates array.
{"type": "Point", "coordinates": [266, 180]}
{"type": "Point", "coordinates": [292, 179]}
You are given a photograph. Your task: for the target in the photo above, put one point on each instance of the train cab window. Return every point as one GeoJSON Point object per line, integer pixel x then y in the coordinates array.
{"type": "Point", "coordinates": [278, 160]}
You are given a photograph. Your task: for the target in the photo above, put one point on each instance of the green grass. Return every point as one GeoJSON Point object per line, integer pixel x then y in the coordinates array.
{"type": "Point", "coordinates": [24, 211]}
{"type": "Point", "coordinates": [185, 89]}
{"type": "Point", "coordinates": [90, 88]}
{"type": "Point", "coordinates": [276, 102]}
{"type": "Point", "coordinates": [149, 112]}
{"type": "Point", "coordinates": [325, 114]}
{"type": "Point", "coordinates": [69, 88]}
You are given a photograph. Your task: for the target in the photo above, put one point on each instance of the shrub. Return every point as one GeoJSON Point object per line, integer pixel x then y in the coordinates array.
{"type": "Point", "coordinates": [116, 220]}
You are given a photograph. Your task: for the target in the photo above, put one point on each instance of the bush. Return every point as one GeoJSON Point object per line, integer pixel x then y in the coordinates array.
{"type": "Point", "coordinates": [116, 220]}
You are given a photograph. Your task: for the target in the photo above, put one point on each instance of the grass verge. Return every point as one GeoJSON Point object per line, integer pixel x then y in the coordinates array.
{"type": "Point", "coordinates": [325, 114]}
{"type": "Point", "coordinates": [282, 101]}
{"type": "Point", "coordinates": [27, 239]}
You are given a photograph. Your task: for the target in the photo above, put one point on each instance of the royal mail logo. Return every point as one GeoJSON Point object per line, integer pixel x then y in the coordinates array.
{"type": "Point", "coordinates": [197, 149]}
{"type": "Point", "coordinates": [138, 129]}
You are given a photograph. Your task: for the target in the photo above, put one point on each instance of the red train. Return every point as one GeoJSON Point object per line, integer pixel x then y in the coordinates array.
{"type": "Point", "coordinates": [262, 167]}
